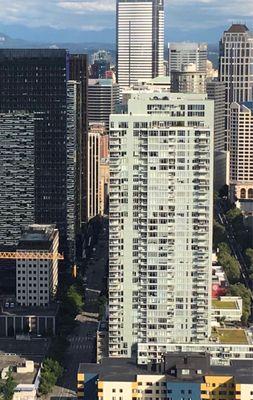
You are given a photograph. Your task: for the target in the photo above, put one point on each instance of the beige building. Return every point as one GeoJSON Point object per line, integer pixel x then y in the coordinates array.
{"type": "Point", "coordinates": [37, 278]}
{"type": "Point", "coordinates": [189, 80]}
{"type": "Point", "coordinates": [241, 151]}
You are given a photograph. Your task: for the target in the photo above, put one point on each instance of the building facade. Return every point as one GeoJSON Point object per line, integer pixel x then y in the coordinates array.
{"type": "Point", "coordinates": [140, 40]}
{"type": "Point", "coordinates": [78, 72]}
{"type": "Point", "coordinates": [189, 80]}
{"type": "Point", "coordinates": [184, 53]}
{"type": "Point", "coordinates": [236, 58]}
{"type": "Point", "coordinates": [35, 81]}
{"type": "Point", "coordinates": [37, 278]}
{"type": "Point", "coordinates": [93, 179]}
{"type": "Point", "coordinates": [179, 376]}
{"type": "Point", "coordinates": [241, 151]}
{"type": "Point", "coordinates": [160, 247]}
{"type": "Point", "coordinates": [104, 97]}
{"type": "Point", "coordinates": [17, 175]}
{"type": "Point", "coordinates": [216, 91]}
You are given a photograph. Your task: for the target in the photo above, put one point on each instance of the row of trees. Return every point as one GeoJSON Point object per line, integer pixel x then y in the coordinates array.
{"type": "Point", "coordinates": [229, 263]}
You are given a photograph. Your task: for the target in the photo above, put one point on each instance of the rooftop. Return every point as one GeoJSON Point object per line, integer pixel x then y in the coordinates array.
{"type": "Point", "coordinates": [229, 305]}
{"type": "Point", "coordinates": [125, 370]}
{"type": "Point", "coordinates": [238, 28]}
{"type": "Point", "coordinates": [13, 361]}
{"type": "Point", "coordinates": [51, 310]}
{"type": "Point", "coordinates": [37, 237]}
{"type": "Point", "coordinates": [230, 336]}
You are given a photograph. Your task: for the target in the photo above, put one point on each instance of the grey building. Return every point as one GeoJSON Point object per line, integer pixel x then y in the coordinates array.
{"type": "Point", "coordinates": [103, 99]}
{"type": "Point", "coordinates": [182, 54]}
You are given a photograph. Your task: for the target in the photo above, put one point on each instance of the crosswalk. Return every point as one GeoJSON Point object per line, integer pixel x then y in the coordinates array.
{"type": "Point", "coordinates": [78, 343]}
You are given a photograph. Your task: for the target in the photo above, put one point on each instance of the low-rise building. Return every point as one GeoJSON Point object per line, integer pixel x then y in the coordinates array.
{"type": "Point", "coordinates": [178, 376]}
{"type": "Point", "coordinates": [226, 309]}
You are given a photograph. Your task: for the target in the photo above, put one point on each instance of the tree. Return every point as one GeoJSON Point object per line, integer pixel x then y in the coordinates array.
{"type": "Point", "coordinates": [230, 266]}
{"type": "Point", "coordinates": [219, 234]}
{"type": "Point", "coordinates": [224, 248]}
{"type": "Point", "coordinates": [51, 371]}
{"type": "Point", "coordinates": [73, 302]}
{"type": "Point", "coordinates": [240, 290]}
{"type": "Point", "coordinates": [8, 386]}
{"type": "Point", "coordinates": [233, 214]}
{"type": "Point", "coordinates": [249, 259]}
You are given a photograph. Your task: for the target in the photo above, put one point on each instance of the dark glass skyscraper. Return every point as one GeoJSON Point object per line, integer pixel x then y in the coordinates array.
{"type": "Point", "coordinates": [34, 81]}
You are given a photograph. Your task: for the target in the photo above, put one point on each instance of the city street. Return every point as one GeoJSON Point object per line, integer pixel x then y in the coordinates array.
{"type": "Point", "coordinates": [83, 340]}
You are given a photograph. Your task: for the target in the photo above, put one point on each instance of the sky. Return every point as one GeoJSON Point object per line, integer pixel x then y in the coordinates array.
{"type": "Point", "coordinates": [73, 19]}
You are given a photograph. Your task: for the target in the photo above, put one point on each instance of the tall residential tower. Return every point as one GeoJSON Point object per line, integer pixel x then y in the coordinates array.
{"type": "Point", "coordinates": [140, 40]}
{"type": "Point", "coordinates": [161, 193]}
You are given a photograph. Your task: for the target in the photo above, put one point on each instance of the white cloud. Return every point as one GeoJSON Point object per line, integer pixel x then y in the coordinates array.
{"type": "Point", "coordinates": [85, 7]}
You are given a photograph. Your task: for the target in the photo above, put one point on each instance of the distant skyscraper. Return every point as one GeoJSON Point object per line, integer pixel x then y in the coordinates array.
{"type": "Point", "coordinates": [236, 60]}
{"type": "Point", "coordinates": [17, 175]}
{"type": "Point", "coordinates": [103, 98]}
{"type": "Point", "coordinates": [100, 65]}
{"type": "Point", "coordinates": [35, 81]}
{"type": "Point", "coordinates": [161, 196]}
{"type": "Point", "coordinates": [182, 54]}
{"type": "Point", "coordinates": [140, 40]}
{"type": "Point", "coordinates": [241, 151]}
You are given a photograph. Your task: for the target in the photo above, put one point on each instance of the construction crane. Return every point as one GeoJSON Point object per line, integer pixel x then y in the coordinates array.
{"type": "Point", "coordinates": [30, 255]}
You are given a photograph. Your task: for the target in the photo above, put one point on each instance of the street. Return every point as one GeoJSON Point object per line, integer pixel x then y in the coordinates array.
{"type": "Point", "coordinates": [83, 339]}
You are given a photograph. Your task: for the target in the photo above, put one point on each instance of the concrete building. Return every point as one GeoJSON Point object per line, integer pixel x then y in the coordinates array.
{"type": "Point", "coordinates": [15, 321]}
{"type": "Point", "coordinates": [241, 151]}
{"type": "Point", "coordinates": [140, 40]}
{"type": "Point", "coordinates": [160, 247]}
{"type": "Point", "coordinates": [185, 53]}
{"type": "Point", "coordinates": [236, 59]}
{"type": "Point", "coordinates": [17, 174]}
{"type": "Point", "coordinates": [179, 376]}
{"type": "Point", "coordinates": [104, 97]}
{"type": "Point", "coordinates": [189, 80]}
{"type": "Point", "coordinates": [93, 198]}
{"type": "Point", "coordinates": [37, 278]}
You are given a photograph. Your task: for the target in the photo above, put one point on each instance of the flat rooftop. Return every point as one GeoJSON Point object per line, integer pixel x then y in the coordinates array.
{"type": "Point", "coordinates": [126, 370]}
{"type": "Point", "coordinates": [51, 310]}
{"type": "Point", "coordinates": [227, 305]}
{"type": "Point", "coordinates": [230, 336]}
{"type": "Point", "coordinates": [14, 361]}
{"type": "Point", "coordinates": [37, 237]}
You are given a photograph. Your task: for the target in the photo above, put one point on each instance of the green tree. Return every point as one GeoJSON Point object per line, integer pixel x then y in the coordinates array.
{"type": "Point", "coordinates": [224, 248]}
{"type": "Point", "coordinates": [73, 302]}
{"type": "Point", "coordinates": [249, 259]}
{"type": "Point", "coordinates": [219, 234]}
{"type": "Point", "coordinates": [233, 214]}
{"type": "Point", "coordinates": [240, 290]}
{"type": "Point", "coordinates": [7, 387]}
{"type": "Point", "coordinates": [230, 266]}
{"type": "Point", "coordinates": [51, 371]}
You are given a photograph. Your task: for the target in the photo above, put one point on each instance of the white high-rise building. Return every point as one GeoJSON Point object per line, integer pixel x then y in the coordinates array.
{"type": "Point", "coordinates": [140, 40]}
{"type": "Point", "coordinates": [236, 60]}
{"type": "Point", "coordinates": [161, 194]}
{"type": "Point", "coordinates": [182, 54]}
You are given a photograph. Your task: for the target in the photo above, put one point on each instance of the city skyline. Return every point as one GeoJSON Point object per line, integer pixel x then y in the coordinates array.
{"type": "Point", "coordinates": [87, 21]}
